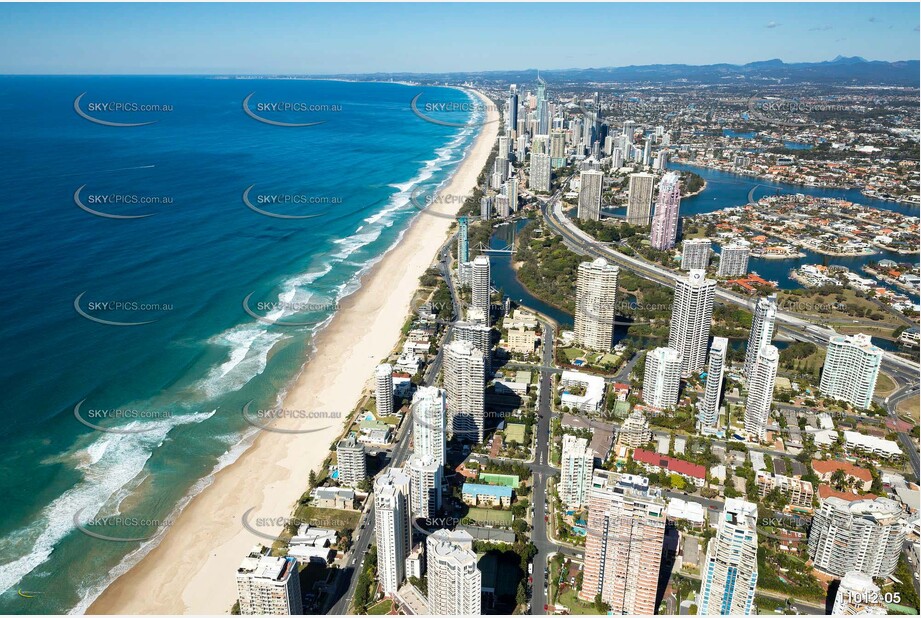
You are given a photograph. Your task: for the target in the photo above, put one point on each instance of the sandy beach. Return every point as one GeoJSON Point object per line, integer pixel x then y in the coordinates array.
{"type": "Point", "coordinates": [192, 569]}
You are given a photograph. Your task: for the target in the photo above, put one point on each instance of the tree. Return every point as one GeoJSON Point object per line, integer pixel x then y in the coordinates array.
{"type": "Point", "coordinates": [677, 481]}
{"type": "Point", "coordinates": [312, 479]}
{"type": "Point", "coordinates": [521, 597]}
{"type": "Point", "coordinates": [600, 606]}
{"type": "Point", "coordinates": [839, 480]}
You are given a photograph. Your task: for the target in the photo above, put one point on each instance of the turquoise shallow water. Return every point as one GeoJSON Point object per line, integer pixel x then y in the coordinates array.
{"type": "Point", "coordinates": [182, 379]}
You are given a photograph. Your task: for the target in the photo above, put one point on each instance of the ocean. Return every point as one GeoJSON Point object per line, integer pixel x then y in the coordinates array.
{"type": "Point", "coordinates": [161, 276]}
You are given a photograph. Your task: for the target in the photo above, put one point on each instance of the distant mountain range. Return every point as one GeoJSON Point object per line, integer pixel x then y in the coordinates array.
{"type": "Point", "coordinates": [840, 71]}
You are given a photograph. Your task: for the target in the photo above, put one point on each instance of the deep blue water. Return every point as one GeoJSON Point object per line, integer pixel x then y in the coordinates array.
{"type": "Point", "coordinates": [725, 190]}
{"type": "Point", "coordinates": [190, 370]}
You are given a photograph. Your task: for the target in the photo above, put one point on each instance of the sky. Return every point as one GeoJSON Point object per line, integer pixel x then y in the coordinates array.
{"type": "Point", "coordinates": [109, 38]}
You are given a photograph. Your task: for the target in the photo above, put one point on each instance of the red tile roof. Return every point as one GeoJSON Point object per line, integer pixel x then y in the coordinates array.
{"type": "Point", "coordinates": [828, 466]}
{"type": "Point", "coordinates": [671, 464]}
{"type": "Point", "coordinates": [826, 491]}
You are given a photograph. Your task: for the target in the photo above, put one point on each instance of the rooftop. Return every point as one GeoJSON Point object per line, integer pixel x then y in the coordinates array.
{"type": "Point", "coordinates": [477, 489]}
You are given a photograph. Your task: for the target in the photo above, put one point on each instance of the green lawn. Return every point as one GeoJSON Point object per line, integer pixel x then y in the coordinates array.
{"type": "Point", "coordinates": [489, 516]}
{"type": "Point", "coordinates": [515, 432]}
{"type": "Point", "coordinates": [884, 385]}
{"type": "Point", "coordinates": [327, 518]}
{"type": "Point", "coordinates": [613, 359]}
{"type": "Point", "coordinates": [572, 354]}
{"type": "Point", "coordinates": [576, 606]}
{"type": "Point", "coordinates": [379, 609]}
{"type": "Point", "coordinates": [505, 480]}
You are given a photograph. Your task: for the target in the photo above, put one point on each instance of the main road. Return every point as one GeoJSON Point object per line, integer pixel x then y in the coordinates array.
{"type": "Point", "coordinates": [347, 577]}
{"type": "Point", "coordinates": [541, 471]}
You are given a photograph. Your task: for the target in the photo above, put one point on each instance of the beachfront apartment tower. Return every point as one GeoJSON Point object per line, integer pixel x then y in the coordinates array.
{"type": "Point", "coordinates": [486, 208]}
{"type": "Point", "coordinates": [454, 579]}
{"type": "Point", "coordinates": [761, 392]}
{"type": "Point", "coordinates": [858, 595]}
{"type": "Point", "coordinates": [480, 286]}
{"type": "Point", "coordinates": [762, 331]}
{"type": "Point", "coordinates": [596, 292]}
{"type": "Point", "coordinates": [734, 259]}
{"type": "Point", "coordinates": [268, 585]}
{"type": "Point", "coordinates": [463, 244]}
{"type": "Point", "coordinates": [623, 546]}
{"type": "Point", "coordinates": [716, 370]}
{"type": "Point", "coordinates": [577, 463]}
{"type": "Point", "coordinates": [692, 313]}
{"type": "Point", "coordinates": [695, 254]}
{"type": "Point", "coordinates": [521, 144]}
{"type": "Point", "coordinates": [502, 205]}
{"type": "Point", "coordinates": [590, 187]}
{"type": "Point", "coordinates": [425, 475]}
{"type": "Point", "coordinates": [662, 378]}
{"type": "Point", "coordinates": [851, 369]}
{"type": "Point", "coordinates": [350, 462]}
{"type": "Point", "coordinates": [539, 176]}
{"type": "Point", "coordinates": [429, 423]}
{"type": "Point", "coordinates": [730, 572]}
{"type": "Point", "coordinates": [512, 110]}
{"type": "Point", "coordinates": [464, 381]}
{"type": "Point", "coordinates": [510, 190]}
{"type": "Point", "coordinates": [639, 198]}
{"type": "Point", "coordinates": [863, 535]}
{"type": "Point", "coordinates": [479, 335]}
{"type": "Point", "coordinates": [664, 229]}
{"type": "Point", "coordinates": [392, 530]}
{"type": "Point", "coordinates": [383, 377]}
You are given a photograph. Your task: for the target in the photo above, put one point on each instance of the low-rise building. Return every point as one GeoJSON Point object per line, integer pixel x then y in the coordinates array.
{"type": "Point", "coordinates": [334, 498]}
{"type": "Point", "coordinates": [799, 493]}
{"type": "Point", "coordinates": [871, 445]}
{"type": "Point", "coordinates": [653, 462]}
{"type": "Point", "coordinates": [521, 341]}
{"type": "Point", "coordinates": [582, 391]}
{"type": "Point", "coordinates": [635, 430]}
{"type": "Point", "coordinates": [476, 494]}
{"type": "Point", "coordinates": [861, 478]}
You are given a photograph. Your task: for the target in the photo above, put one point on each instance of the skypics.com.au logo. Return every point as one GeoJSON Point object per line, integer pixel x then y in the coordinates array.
{"type": "Point", "coordinates": [451, 113]}
{"type": "Point", "coordinates": [102, 204]}
{"type": "Point", "coordinates": [96, 111]}
{"type": "Point", "coordinates": [278, 420]}
{"type": "Point", "coordinates": [304, 205]}
{"type": "Point", "coordinates": [118, 308]}
{"type": "Point", "coordinates": [279, 312]}
{"type": "Point", "coordinates": [120, 528]}
{"type": "Point", "coordinates": [791, 112]}
{"type": "Point", "coordinates": [281, 113]}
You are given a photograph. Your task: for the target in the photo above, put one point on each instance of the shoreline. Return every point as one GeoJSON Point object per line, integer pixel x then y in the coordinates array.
{"type": "Point", "coordinates": [192, 569]}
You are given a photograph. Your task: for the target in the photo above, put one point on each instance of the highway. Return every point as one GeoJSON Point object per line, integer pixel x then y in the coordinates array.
{"type": "Point", "coordinates": [904, 371]}
{"type": "Point", "coordinates": [582, 243]}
